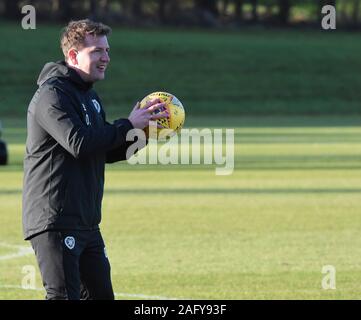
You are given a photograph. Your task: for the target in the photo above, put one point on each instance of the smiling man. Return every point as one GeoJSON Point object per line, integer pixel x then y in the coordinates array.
{"type": "Point", "coordinates": [68, 143]}
{"type": "Point", "coordinates": [88, 55]}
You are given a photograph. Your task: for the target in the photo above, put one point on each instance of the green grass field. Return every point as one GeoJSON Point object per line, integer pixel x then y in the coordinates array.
{"type": "Point", "coordinates": [253, 71]}
{"type": "Point", "coordinates": [291, 207]}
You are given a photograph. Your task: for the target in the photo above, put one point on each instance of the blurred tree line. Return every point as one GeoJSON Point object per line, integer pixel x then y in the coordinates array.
{"type": "Point", "coordinates": [206, 13]}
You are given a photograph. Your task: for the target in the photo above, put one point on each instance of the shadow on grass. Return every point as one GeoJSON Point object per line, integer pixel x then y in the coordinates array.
{"type": "Point", "coordinates": [240, 167]}
{"type": "Point", "coordinates": [254, 191]}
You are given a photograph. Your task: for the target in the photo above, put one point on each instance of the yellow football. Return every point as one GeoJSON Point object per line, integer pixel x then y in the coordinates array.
{"type": "Point", "coordinates": [176, 114]}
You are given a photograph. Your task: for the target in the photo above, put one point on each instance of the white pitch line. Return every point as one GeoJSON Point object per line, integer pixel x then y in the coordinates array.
{"type": "Point", "coordinates": [143, 296]}
{"type": "Point", "coordinates": [21, 251]}
{"type": "Point", "coordinates": [24, 251]}
{"type": "Point", "coordinates": [127, 295]}
{"type": "Point", "coordinates": [9, 286]}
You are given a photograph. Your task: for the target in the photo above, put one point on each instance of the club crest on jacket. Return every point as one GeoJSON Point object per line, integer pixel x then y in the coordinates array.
{"type": "Point", "coordinates": [69, 242]}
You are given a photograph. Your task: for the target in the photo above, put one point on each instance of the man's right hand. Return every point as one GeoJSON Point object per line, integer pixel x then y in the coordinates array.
{"type": "Point", "coordinates": [140, 117]}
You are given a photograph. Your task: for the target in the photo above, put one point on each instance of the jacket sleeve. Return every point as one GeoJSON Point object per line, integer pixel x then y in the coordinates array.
{"type": "Point", "coordinates": [120, 153]}
{"type": "Point", "coordinates": [117, 154]}
{"type": "Point", "coordinates": [56, 115]}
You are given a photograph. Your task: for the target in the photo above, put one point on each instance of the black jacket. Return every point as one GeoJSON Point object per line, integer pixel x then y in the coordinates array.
{"type": "Point", "coordinates": [67, 146]}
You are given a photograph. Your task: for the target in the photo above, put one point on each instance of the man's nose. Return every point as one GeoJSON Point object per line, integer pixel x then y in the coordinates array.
{"type": "Point", "coordinates": [105, 57]}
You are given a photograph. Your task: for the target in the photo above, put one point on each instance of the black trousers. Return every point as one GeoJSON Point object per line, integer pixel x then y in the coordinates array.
{"type": "Point", "coordinates": [73, 265]}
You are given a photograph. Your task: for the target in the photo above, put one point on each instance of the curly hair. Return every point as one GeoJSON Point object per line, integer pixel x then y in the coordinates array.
{"type": "Point", "coordinates": [73, 35]}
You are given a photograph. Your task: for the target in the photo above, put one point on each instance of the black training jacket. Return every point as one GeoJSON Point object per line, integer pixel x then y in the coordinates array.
{"type": "Point", "coordinates": [68, 143]}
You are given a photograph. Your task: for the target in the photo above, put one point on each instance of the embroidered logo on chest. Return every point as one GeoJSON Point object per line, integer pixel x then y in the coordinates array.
{"type": "Point", "coordinates": [96, 105]}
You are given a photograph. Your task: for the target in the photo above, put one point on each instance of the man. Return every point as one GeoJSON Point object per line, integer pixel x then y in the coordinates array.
{"type": "Point", "coordinates": [68, 144]}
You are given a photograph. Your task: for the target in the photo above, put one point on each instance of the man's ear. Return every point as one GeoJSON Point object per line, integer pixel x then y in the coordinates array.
{"type": "Point", "coordinates": [72, 56]}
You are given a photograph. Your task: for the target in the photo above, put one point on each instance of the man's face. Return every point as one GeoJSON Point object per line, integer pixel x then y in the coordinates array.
{"type": "Point", "coordinates": [92, 59]}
